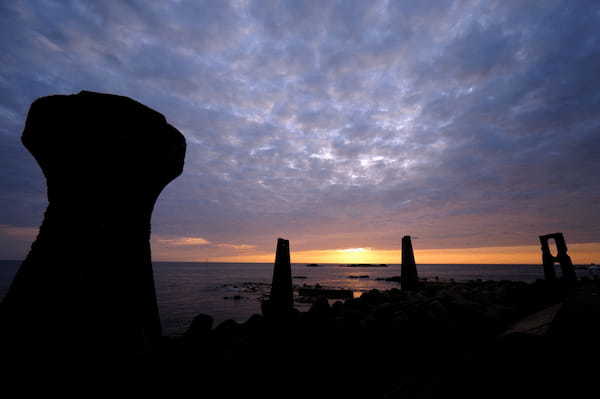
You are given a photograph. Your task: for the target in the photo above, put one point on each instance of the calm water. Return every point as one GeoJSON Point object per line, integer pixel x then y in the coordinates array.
{"type": "Point", "coordinates": [186, 289]}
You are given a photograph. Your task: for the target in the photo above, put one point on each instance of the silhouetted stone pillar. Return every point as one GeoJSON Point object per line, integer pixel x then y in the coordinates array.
{"type": "Point", "coordinates": [87, 284]}
{"type": "Point", "coordinates": [409, 279]}
{"type": "Point", "coordinates": [282, 294]}
{"type": "Point", "coordinates": [566, 266]}
{"type": "Point", "coordinates": [548, 262]}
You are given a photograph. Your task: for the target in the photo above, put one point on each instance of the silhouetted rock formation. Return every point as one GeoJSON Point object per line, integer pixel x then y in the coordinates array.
{"type": "Point", "coordinates": [281, 300]}
{"type": "Point", "coordinates": [548, 260]}
{"type": "Point", "coordinates": [329, 293]}
{"type": "Point", "coordinates": [344, 349]}
{"type": "Point", "coordinates": [409, 279]}
{"type": "Point", "coordinates": [200, 326]}
{"type": "Point", "coordinates": [87, 284]}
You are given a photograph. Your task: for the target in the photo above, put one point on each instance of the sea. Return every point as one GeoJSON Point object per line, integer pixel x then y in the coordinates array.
{"type": "Point", "coordinates": [234, 290]}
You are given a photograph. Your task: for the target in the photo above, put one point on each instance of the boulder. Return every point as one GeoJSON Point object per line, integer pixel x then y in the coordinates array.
{"type": "Point", "coordinates": [320, 308]}
{"type": "Point", "coordinates": [255, 325]}
{"type": "Point", "coordinates": [373, 297]}
{"type": "Point", "coordinates": [227, 327]}
{"type": "Point", "coordinates": [200, 326]}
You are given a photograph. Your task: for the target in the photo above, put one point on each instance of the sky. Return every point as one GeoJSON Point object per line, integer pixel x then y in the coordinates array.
{"type": "Point", "coordinates": [473, 126]}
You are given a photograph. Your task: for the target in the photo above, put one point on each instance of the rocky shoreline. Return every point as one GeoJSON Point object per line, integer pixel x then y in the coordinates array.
{"type": "Point", "coordinates": [396, 343]}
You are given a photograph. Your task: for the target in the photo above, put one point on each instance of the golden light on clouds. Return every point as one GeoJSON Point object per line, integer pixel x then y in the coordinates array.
{"type": "Point", "coordinates": [239, 247]}
{"type": "Point", "coordinates": [353, 250]}
{"type": "Point", "coordinates": [196, 249]}
{"type": "Point", "coordinates": [584, 253]}
{"type": "Point", "coordinates": [198, 241]}
{"type": "Point", "coordinates": [183, 241]}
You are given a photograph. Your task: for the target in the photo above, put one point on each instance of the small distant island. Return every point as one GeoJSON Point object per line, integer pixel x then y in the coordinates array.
{"type": "Point", "coordinates": [364, 265]}
{"type": "Point", "coordinates": [312, 265]}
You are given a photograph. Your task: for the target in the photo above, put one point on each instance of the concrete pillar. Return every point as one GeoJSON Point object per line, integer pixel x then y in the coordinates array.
{"type": "Point", "coordinates": [409, 278]}
{"type": "Point", "coordinates": [87, 284]}
{"type": "Point", "coordinates": [562, 257]}
{"type": "Point", "coordinates": [549, 272]}
{"type": "Point", "coordinates": [282, 294]}
{"type": "Point", "coordinates": [566, 265]}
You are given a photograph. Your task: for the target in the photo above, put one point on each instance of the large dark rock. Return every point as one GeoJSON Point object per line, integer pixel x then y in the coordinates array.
{"type": "Point", "coordinates": [254, 323]}
{"type": "Point", "coordinates": [320, 308]}
{"type": "Point", "coordinates": [228, 326]}
{"type": "Point", "coordinates": [87, 284]}
{"type": "Point", "coordinates": [200, 326]}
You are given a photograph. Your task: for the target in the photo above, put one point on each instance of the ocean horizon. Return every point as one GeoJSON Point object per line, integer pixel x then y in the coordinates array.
{"type": "Point", "coordinates": [227, 290]}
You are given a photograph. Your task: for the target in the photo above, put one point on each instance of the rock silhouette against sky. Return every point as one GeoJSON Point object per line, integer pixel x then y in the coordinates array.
{"type": "Point", "coordinates": [106, 159]}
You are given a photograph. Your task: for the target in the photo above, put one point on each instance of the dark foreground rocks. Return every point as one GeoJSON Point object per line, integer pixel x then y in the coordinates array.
{"type": "Point", "coordinates": [442, 340]}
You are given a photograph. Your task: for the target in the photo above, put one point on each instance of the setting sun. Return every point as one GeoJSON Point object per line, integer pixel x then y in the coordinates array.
{"type": "Point", "coordinates": [584, 253]}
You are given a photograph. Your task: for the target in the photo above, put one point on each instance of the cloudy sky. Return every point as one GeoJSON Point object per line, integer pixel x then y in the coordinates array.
{"type": "Point", "coordinates": [336, 124]}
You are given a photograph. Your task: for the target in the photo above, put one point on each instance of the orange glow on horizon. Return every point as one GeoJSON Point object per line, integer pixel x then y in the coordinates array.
{"type": "Point", "coordinates": [584, 253]}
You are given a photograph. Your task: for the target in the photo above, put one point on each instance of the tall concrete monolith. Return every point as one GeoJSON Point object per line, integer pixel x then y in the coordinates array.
{"type": "Point", "coordinates": [282, 295]}
{"type": "Point", "coordinates": [562, 257]}
{"type": "Point", "coordinates": [409, 279]}
{"type": "Point", "coordinates": [87, 284]}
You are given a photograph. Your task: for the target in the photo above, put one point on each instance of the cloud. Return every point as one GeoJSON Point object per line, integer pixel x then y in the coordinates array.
{"type": "Point", "coordinates": [335, 124]}
{"type": "Point", "coordinates": [22, 233]}
{"type": "Point", "coordinates": [196, 243]}
{"type": "Point", "coordinates": [183, 241]}
{"type": "Point", "coordinates": [239, 247]}
{"type": "Point", "coordinates": [353, 250]}
{"type": "Point", "coordinates": [15, 241]}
